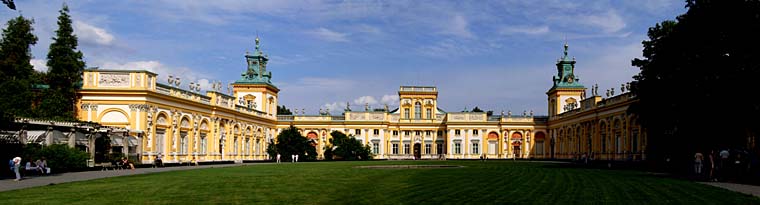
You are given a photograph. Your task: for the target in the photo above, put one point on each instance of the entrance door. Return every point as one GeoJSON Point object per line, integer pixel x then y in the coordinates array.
{"type": "Point", "coordinates": [417, 152]}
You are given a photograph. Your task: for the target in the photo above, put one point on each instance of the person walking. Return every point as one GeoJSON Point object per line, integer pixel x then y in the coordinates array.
{"type": "Point", "coordinates": [16, 166]}
{"type": "Point", "coordinates": [296, 158]}
{"type": "Point", "coordinates": [698, 163]}
{"type": "Point", "coordinates": [711, 158]}
{"type": "Point", "coordinates": [292, 158]}
{"type": "Point", "coordinates": [278, 158]}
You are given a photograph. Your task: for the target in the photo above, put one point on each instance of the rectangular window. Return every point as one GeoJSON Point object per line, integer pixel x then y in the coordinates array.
{"type": "Point", "coordinates": [183, 143]}
{"type": "Point", "coordinates": [427, 148]}
{"type": "Point", "coordinates": [395, 148]}
{"type": "Point", "coordinates": [475, 149]}
{"type": "Point", "coordinates": [235, 146]}
{"type": "Point", "coordinates": [376, 132]}
{"type": "Point", "coordinates": [457, 133]}
{"type": "Point", "coordinates": [417, 133]}
{"type": "Point", "coordinates": [204, 143]}
{"type": "Point", "coordinates": [474, 132]}
{"type": "Point", "coordinates": [247, 148]}
{"type": "Point", "coordinates": [406, 113]}
{"type": "Point", "coordinates": [395, 132]}
{"type": "Point", "coordinates": [427, 133]}
{"type": "Point", "coordinates": [406, 148]}
{"type": "Point", "coordinates": [159, 141]}
{"type": "Point", "coordinates": [417, 111]}
{"type": "Point", "coordinates": [358, 132]}
{"type": "Point", "coordinates": [492, 148]}
{"type": "Point", "coordinates": [440, 133]}
{"type": "Point", "coordinates": [439, 148]}
{"type": "Point", "coordinates": [407, 133]}
{"type": "Point", "coordinates": [457, 148]}
{"type": "Point", "coordinates": [375, 148]}
{"type": "Point", "coordinates": [429, 114]}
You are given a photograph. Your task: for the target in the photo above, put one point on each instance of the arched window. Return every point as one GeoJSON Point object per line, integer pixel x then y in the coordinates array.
{"type": "Point", "coordinates": [618, 133]}
{"type": "Point", "coordinates": [417, 110]}
{"type": "Point", "coordinates": [603, 135]}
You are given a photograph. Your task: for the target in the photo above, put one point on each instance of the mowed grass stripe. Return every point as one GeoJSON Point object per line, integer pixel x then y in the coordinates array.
{"type": "Point", "coordinates": [491, 182]}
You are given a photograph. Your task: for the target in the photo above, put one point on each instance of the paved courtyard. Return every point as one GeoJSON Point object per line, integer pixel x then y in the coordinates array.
{"type": "Point", "coordinates": [35, 181]}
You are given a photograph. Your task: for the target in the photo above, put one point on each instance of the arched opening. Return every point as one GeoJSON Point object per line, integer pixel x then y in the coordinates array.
{"type": "Point", "coordinates": [516, 144]}
{"type": "Point", "coordinates": [493, 139]}
{"type": "Point", "coordinates": [540, 137]}
{"type": "Point", "coordinates": [313, 138]}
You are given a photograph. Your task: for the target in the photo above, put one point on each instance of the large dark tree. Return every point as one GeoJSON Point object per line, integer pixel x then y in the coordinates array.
{"type": "Point", "coordinates": [65, 67]}
{"type": "Point", "coordinates": [346, 148]}
{"type": "Point", "coordinates": [282, 110]}
{"type": "Point", "coordinates": [697, 80]}
{"type": "Point", "coordinates": [15, 68]}
{"type": "Point", "coordinates": [290, 142]}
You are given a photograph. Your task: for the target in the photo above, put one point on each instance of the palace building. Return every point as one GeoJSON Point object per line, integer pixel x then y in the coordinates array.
{"type": "Point", "coordinates": [182, 124]}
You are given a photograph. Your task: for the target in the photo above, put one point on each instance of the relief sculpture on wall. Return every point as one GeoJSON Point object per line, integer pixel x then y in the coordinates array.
{"type": "Point", "coordinates": [114, 79]}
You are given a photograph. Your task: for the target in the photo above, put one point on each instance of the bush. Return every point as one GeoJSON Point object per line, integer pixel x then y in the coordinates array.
{"type": "Point", "coordinates": [59, 157]}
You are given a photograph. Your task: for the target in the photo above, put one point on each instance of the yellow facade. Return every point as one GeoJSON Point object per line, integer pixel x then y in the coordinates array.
{"type": "Point", "coordinates": [182, 124]}
{"type": "Point", "coordinates": [176, 123]}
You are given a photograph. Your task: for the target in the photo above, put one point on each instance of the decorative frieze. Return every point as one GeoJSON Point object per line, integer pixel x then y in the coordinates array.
{"type": "Point", "coordinates": [114, 80]}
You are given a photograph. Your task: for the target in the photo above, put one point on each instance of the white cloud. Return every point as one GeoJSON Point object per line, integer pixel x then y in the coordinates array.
{"type": "Point", "coordinates": [389, 99]}
{"type": "Point", "coordinates": [329, 35]}
{"type": "Point", "coordinates": [458, 26]}
{"type": "Point", "coordinates": [529, 30]}
{"type": "Point", "coordinates": [91, 34]}
{"type": "Point", "coordinates": [365, 100]}
{"type": "Point", "coordinates": [335, 107]}
{"type": "Point", "coordinates": [39, 65]}
{"type": "Point", "coordinates": [609, 22]}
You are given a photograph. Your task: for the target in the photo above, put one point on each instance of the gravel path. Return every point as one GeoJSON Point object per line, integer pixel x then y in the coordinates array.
{"type": "Point", "coordinates": [741, 188]}
{"type": "Point", "coordinates": [35, 181]}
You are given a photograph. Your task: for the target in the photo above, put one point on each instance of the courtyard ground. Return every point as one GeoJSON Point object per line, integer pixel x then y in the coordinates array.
{"type": "Point", "coordinates": [491, 182]}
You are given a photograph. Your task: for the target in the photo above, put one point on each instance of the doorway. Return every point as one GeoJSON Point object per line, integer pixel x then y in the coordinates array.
{"type": "Point", "coordinates": [417, 152]}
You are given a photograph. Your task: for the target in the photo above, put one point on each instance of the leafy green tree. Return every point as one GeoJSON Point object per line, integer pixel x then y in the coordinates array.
{"type": "Point", "coordinates": [65, 68]}
{"type": "Point", "coordinates": [346, 148]}
{"type": "Point", "coordinates": [290, 142]}
{"type": "Point", "coordinates": [15, 68]}
{"type": "Point", "coordinates": [695, 74]}
{"type": "Point", "coordinates": [282, 110]}
{"type": "Point", "coordinates": [272, 150]}
{"type": "Point", "coordinates": [476, 109]}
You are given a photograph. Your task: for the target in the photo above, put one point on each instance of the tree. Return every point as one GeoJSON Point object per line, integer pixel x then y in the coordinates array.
{"type": "Point", "coordinates": [282, 110]}
{"type": "Point", "coordinates": [290, 142]}
{"type": "Point", "coordinates": [65, 68]}
{"type": "Point", "coordinates": [694, 75]}
{"type": "Point", "coordinates": [346, 148]}
{"type": "Point", "coordinates": [272, 149]}
{"type": "Point", "coordinates": [15, 68]}
{"type": "Point", "coordinates": [476, 109]}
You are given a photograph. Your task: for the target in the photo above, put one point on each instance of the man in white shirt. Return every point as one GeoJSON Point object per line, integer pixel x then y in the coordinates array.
{"type": "Point", "coordinates": [16, 166]}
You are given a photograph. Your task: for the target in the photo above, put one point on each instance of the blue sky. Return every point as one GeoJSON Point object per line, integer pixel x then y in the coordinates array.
{"type": "Point", "coordinates": [498, 55]}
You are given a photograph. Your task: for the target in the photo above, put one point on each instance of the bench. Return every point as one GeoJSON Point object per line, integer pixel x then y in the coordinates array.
{"type": "Point", "coordinates": [107, 165]}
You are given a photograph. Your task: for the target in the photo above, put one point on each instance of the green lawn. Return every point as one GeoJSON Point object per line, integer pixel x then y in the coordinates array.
{"type": "Point", "coordinates": [492, 182]}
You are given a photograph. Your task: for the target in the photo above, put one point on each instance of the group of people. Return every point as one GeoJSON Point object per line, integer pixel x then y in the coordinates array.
{"type": "Point", "coordinates": [724, 165]}
{"type": "Point", "coordinates": [39, 166]}
{"type": "Point", "coordinates": [293, 158]}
